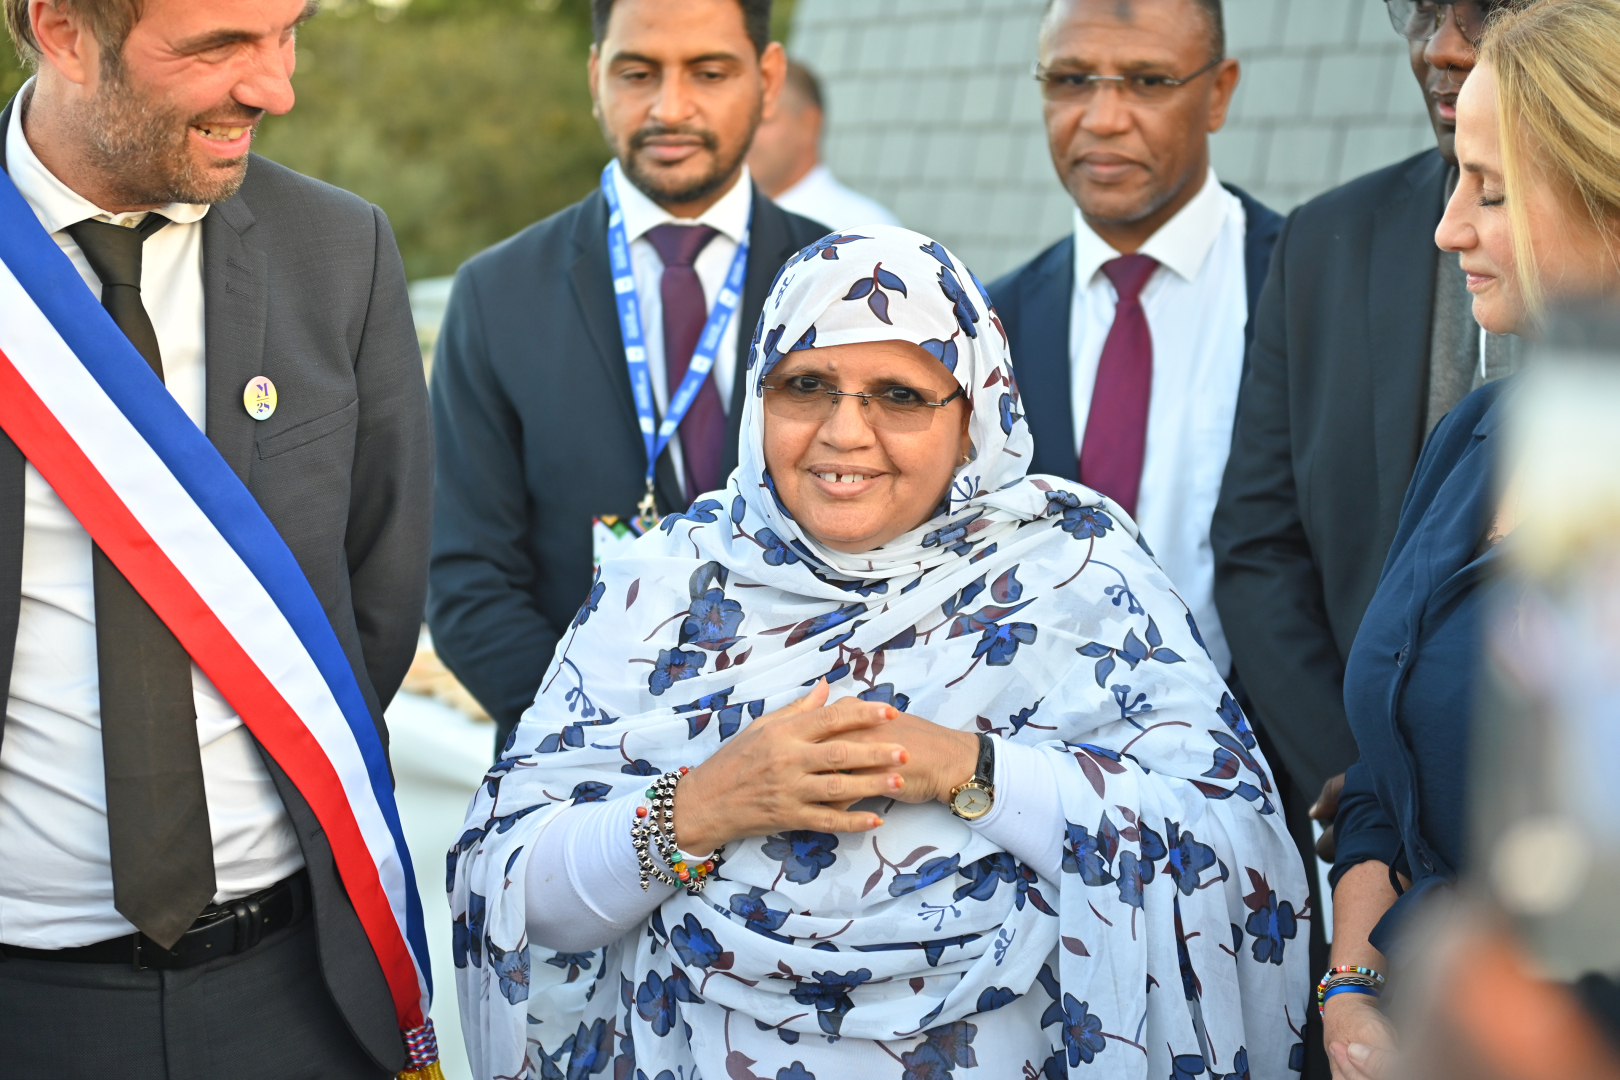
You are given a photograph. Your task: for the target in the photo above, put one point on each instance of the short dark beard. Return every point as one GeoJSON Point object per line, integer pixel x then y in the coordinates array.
{"type": "Point", "coordinates": [143, 148]}
{"type": "Point", "coordinates": [695, 191]}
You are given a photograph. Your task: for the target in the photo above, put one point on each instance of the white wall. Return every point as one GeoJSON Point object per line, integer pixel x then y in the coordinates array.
{"type": "Point", "coordinates": [932, 110]}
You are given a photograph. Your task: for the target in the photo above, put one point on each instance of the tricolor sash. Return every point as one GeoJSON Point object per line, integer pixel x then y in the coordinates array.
{"type": "Point", "coordinates": [90, 415]}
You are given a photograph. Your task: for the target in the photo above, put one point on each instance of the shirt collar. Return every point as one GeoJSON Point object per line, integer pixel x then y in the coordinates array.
{"type": "Point", "coordinates": [1180, 244]}
{"type": "Point", "coordinates": [55, 204]}
{"type": "Point", "coordinates": [728, 215]}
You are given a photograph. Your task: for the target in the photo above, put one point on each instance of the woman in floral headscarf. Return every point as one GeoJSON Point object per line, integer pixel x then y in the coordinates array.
{"type": "Point", "coordinates": [1130, 902]}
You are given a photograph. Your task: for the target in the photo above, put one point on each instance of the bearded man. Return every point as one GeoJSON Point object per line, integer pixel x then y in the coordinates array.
{"type": "Point", "coordinates": [214, 501]}
{"type": "Point", "coordinates": [563, 346]}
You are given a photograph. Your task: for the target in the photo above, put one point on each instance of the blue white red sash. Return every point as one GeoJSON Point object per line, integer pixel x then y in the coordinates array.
{"type": "Point", "coordinates": [155, 495]}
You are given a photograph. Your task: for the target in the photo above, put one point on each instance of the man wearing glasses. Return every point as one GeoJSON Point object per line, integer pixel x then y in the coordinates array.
{"type": "Point", "coordinates": [1129, 333]}
{"type": "Point", "coordinates": [1364, 340]}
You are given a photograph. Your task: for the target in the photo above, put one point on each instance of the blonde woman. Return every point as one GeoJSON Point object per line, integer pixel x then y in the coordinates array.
{"type": "Point", "coordinates": [1534, 218]}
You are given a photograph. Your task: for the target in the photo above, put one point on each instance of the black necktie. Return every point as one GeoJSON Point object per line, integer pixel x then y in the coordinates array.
{"type": "Point", "coordinates": [157, 811]}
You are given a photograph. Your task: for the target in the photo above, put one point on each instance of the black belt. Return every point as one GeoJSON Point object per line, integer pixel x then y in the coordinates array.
{"type": "Point", "coordinates": [221, 930]}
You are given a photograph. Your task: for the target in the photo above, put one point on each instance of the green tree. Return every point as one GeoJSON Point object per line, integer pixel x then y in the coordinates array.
{"type": "Point", "coordinates": [465, 121]}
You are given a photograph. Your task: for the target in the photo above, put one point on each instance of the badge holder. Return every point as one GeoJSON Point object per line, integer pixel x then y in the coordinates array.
{"type": "Point", "coordinates": [612, 535]}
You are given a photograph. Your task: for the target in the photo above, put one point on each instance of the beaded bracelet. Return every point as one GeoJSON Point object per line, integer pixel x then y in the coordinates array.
{"type": "Point", "coordinates": [1348, 979]}
{"type": "Point", "coordinates": [654, 830]}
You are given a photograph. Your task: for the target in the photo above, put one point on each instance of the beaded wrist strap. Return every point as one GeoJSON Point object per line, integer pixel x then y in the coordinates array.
{"type": "Point", "coordinates": [654, 830]}
{"type": "Point", "coordinates": [1347, 979]}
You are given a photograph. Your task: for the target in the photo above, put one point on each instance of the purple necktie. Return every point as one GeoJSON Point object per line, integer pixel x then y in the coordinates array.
{"type": "Point", "coordinates": [703, 429]}
{"type": "Point", "coordinates": [1116, 427]}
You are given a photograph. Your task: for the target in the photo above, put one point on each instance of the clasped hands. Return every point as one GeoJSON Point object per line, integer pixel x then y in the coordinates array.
{"type": "Point", "coordinates": [804, 765]}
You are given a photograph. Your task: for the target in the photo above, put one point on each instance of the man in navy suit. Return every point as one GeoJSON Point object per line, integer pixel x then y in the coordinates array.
{"type": "Point", "coordinates": [537, 428]}
{"type": "Point", "coordinates": [1129, 334]}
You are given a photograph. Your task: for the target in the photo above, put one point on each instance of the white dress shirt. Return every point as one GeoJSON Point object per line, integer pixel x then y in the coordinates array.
{"type": "Point", "coordinates": [55, 875]}
{"type": "Point", "coordinates": [820, 197]}
{"type": "Point", "coordinates": [729, 217]}
{"type": "Point", "coordinates": [1197, 305]}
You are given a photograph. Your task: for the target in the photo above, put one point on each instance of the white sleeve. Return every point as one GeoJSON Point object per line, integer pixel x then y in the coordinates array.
{"type": "Point", "coordinates": [1027, 818]}
{"type": "Point", "coordinates": [584, 881]}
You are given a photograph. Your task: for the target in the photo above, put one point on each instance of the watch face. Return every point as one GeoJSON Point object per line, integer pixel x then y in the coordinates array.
{"type": "Point", "coordinates": [971, 802]}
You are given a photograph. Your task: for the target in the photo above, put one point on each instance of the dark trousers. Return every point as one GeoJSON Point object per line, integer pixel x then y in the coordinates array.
{"type": "Point", "coordinates": [265, 1013]}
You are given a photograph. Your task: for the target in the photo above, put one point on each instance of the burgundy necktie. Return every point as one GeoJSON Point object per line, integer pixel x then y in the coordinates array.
{"type": "Point", "coordinates": [1116, 427]}
{"type": "Point", "coordinates": [703, 430]}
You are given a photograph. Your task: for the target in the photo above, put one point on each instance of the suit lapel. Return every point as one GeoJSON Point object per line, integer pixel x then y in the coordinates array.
{"type": "Point", "coordinates": [770, 244]}
{"type": "Point", "coordinates": [1042, 360]}
{"type": "Point", "coordinates": [1400, 304]}
{"type": "Point", "coordinates": [592, 278]}
{"type": "Point", "coordinates": [12, 475]}
{"type": "Point", "coordinates": [236, 301]}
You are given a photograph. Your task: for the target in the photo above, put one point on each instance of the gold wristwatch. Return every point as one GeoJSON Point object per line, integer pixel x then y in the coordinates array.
{"type": "Point", "coordinates": [973, 799]}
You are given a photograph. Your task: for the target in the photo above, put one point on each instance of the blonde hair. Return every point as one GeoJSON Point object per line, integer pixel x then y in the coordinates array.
{"type": "Point", "coordinates": [1557, 66]}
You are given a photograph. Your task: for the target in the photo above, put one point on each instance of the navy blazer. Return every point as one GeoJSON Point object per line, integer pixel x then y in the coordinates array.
{"type": "Point", "coordinates": [1035, 301]}
{"type": "Point", "coordinates": [536, 434]}
{"type": "Point", "coordinates": [1408, 686]}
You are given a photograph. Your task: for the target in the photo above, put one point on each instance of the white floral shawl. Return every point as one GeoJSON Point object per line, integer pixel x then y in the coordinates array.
{"type": "Point", "coordinates": [1171, 944]}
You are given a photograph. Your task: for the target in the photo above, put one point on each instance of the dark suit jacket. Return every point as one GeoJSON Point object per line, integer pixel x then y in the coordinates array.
{"type": "Point", "coordinates": [537, 435]}
{"type": "Point", "coordinates": [1330, 421]}
{"type": "Point", "coordinates": [1035, 301]}
{"type": "Point", "coordinates": [303, 283]}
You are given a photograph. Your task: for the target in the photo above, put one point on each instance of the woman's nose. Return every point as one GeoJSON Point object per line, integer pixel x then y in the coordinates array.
{"type": "Point", "coordinates": [849, 423]}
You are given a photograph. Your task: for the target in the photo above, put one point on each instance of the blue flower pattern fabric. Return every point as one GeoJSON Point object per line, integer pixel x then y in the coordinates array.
{"type": "Point", "coordinates": [1170, 943]}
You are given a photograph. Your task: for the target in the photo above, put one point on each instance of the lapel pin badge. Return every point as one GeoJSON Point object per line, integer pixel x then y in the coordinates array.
{"type": "Point", "coordinates": [259, 397]}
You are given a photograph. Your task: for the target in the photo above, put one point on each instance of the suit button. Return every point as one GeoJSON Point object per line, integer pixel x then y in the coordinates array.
{"type": "Point", "coordinates": [1400, 657]}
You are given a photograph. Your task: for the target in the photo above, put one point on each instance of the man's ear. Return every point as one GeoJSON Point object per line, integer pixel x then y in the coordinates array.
{"type": "Point", "coordinates": [1223, 86]}
{"type": "Point", "coordinates": [65, 43]}
{"type": "Point", "coordinates": [593, 67]}
{"type": "Point", "coordinates": [773, 75]}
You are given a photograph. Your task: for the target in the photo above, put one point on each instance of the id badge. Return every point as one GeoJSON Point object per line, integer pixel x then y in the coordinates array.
{"type": "Point", "coordinates": [612, 536]}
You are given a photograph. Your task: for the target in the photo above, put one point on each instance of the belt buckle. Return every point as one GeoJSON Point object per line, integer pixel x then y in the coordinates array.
{"type": "Point", "coordinates": [135, 939]}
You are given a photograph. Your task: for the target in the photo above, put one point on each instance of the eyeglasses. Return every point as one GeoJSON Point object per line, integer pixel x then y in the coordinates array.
{"type": "Point", "coordinates": [1420, 20]}
{"type": "Point", "coordinates": [808, 399]}
{"type": "Point", "coordinates": [1146, 88]}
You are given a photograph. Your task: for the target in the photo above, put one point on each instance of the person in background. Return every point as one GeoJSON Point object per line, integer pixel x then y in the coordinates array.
{"type": "Point", "coordinates": [786, 160]}
{"type": "Point", "coordinates": [1128, 334]}
{"type": "Point", "coordinates": [1363, 342]}
{"type": "Point", "coordinates": [1535, 218]}
{"type": "Point", "coordinates": [176, 899]}
{"type": "Point", "coordinates": [539, 428]}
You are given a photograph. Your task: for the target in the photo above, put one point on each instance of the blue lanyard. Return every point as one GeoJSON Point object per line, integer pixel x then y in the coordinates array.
{"type": "Point", "coordinates": [635, 342]}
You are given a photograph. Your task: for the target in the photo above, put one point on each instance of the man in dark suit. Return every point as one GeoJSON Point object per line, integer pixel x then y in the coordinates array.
{"type": "Point", "coordinates": [1364, 340]}
{"type": "Point", "coordinates": [537, 426]}
{"type": "Point", "coordinates": [205, 961]}
{"type": "Point", "coordinates": [1128, 334]}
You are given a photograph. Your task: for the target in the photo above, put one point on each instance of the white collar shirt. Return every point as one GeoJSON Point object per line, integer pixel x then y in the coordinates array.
{"type": "Point", "coordinates": [55, 873]}
{"type": "Point", "coordinates": [820, 196]}
{"type": "Point", "coordinates": [729, 217]}
{"type": "Point", "coordinates": [1197, 306]}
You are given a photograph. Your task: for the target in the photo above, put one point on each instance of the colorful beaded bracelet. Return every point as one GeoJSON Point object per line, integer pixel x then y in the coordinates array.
{"type": "Point", "coordinates": [654, 830]}
{"type": "Point", "coordinates": [1349, 978]}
